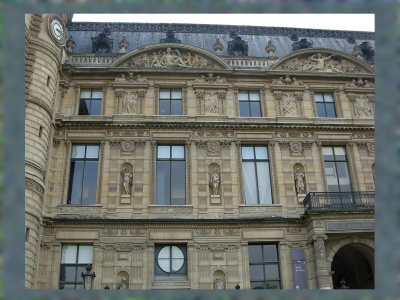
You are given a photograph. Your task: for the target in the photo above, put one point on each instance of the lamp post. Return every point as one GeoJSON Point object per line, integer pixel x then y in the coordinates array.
{"type": "Point", "coordinates": [88, 278]}
{"type": "Point", "coordinates": [237, 287]}
{"type": "Point", "coordinates": [343, 285]}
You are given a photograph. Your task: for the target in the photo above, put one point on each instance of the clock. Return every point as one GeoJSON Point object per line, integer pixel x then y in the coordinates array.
{"type": "Point", "coordinates": [57, 30]}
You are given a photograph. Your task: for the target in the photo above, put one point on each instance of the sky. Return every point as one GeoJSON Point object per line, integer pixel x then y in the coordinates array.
{"type": "Point", "coordinates": [353, 22]}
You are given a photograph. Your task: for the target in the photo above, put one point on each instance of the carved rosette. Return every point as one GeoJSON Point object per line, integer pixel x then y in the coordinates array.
{"type": "Point", "coordinates": [213, 148]}
{"type": "Point", "coordinates": [127, 148]}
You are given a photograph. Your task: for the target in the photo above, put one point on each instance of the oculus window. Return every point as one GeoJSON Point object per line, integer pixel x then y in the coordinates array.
{"type": "Point", "coordinates": [264, 267]}
{"type": "Point", "coordinates": [171, 182]}
{"type": "Point", "coordinates": [74, 259]}
{"type": "Point", "coordinates": [90, 102]}
{"type": "Point", "coordinates": [249, 104]}
{"type": "Point", "coordinates": [83, 174]}
{"type": "Point", "coordinates": [256, 175]}
{"type": "Point", "coordinates": [325, 105]}
{"type": "Point", "coordinates": [170, 102]}
{"type": "Point", "coordinates": [170, 262]}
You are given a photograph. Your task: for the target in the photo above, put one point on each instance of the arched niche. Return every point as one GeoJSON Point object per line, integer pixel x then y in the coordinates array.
{"type": "Point", "coordinates": [322, 61]}
{"type": "Point", "coordinates": [167, 56]}
{"type": "Point", "coordinates": [299, 177]}
{"type": "Point", "coordinates": [126, 180]}
{"type": "Point", "coordinates": [214, 173]}
{"type": "Point", "coordinates": [219, 280]}
{"type": "Point", "coordinates": [122, 281]}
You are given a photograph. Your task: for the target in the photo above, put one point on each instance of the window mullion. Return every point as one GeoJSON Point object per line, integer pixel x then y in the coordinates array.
{"type": "Point", "coordinates": [255, 168]}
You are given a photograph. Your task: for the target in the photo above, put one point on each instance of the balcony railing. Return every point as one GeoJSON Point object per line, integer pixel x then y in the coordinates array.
{"type": "Point", "coordinates": [331, 201]}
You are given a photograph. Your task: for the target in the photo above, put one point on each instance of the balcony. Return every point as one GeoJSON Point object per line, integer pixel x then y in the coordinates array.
{"type": "Point", "coordinates": [334, 201]}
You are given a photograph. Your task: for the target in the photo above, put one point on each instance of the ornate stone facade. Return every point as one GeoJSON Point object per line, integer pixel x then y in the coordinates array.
{"type": "Point", "coordinates": [217, 223]}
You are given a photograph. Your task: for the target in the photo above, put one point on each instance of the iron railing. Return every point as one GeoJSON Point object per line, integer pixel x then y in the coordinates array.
{"type": "Point", "coordinates": [350, 200]}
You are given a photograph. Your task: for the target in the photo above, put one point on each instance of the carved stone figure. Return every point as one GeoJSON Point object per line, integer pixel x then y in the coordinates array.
{"type": "Point", "coordinates": [279, 81]}
{"type": "Point", "coordinates": [357, 52]}
{"type": "Point", "coordinates": [70, 45]}
{"type": "Point", "coordinates": [368, 85]}
{"type": "Point", "coordinates": [218, 47]}
{"type": "Point", "coordinates": [363, 106]}
{"type": "Point", "coordinates": [122, 285]}
{"type": "Point", "coordinates": [211, 102]}
{"type": "Point", "coordinates": [298, 177]}
{"type": "Point", "coordinates": [123, 45]}
{"type": "Point", "coordinates": [351, 84]}
{"type": "Point", "coordinates": [127, 181]}
{"type": "Point", "coordinates": [155, 60]}
{"type": "Point", "coordinates": [214, 182]}
{"type": "Point", "coordinates": [295, 82]}
{"type": "Point", "coordinates": [122, 79]}
{"type": "Point", "coordinates": [270, 49]}
{"type": "Point", "coordinates": [218, 284]}
{"type": "Point", "coordinates": [129, 102]}
{"type": "Point", "coordinates": [319, 62]}
{"type": "Point", "coordinates": [173, 60]}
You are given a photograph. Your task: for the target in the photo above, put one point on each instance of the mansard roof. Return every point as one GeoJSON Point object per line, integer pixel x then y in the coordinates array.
{"type": "Point", "coordinates": [204, 36]}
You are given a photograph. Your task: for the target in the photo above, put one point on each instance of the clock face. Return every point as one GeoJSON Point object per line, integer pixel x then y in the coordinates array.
{"type": "Point", "coordinates": [57, 29]}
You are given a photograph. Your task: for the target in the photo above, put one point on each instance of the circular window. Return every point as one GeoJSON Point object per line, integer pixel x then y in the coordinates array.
{"type": "Point", "coordinates": [170, 259]}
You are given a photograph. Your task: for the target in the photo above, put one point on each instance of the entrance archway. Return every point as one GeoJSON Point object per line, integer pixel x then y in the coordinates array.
{"type": "Point", "coordinates": [354, 263]}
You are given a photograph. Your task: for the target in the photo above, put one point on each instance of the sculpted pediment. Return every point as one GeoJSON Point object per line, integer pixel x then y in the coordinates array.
{"type": "Point", "coordinates": [321, 60]}
{"type": "Point", "coordinates": [170, 56]}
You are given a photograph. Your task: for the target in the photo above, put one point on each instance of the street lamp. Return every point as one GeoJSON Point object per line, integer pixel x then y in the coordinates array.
{"type": "Point", "coordinates": [237, 287]}
{"type": "Point", "coordinates": [343, 284]}
{"type": "Point", "coordinates": [88, 278]}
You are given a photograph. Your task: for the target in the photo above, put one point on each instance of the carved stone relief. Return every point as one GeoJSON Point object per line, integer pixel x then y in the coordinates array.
{"type": "Point", "coordinates": [289, 103]}
{"type": "Point", "coordinates": [363, 105]}
{"type": "Point", "coordinates": [129, 101]}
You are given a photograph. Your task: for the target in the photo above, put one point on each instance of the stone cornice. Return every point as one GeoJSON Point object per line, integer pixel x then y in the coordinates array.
{"type": "Point", "coordinates": [219, 29]}
{"type": "Point", "coordinates": [41, 104]}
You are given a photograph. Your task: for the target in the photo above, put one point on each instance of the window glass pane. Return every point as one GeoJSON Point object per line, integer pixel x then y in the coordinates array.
{"type": "Point", "coordinates": [84, 107]}
{"type": "Point", "coordinates": [249, 180]}
{"type": "Point", "coordinates": [247, 152]}
{"type": "Point", "coordinates": [255, 109]}
{"type": "Point", "coordinates": [165, 264]}
{"type": "Point", "coordinates": [271, 272]}
{"type": "Point", "coordinates": [95, 108]}
{"type": "Point", "coordinates": [176, 107]}
{"type": "Point", "coordinates": [75, 183]}
{"type": "Point", "coordinates": [321, 110]}
{"type": "Point", "coordinates": [273, 285]}
{"type": "Point", "coordinates": [78, 151]}
{"type": "Point", "coordinates": [163, 182]}
{"type": "Point", "coordinates": [165, 107]}
{"type": "Point", "coordinates": [97, 94]}
{"type": "Point", "coordinates": [328, 97]}
{"type": "Point", "coordinates": [164, 94]}
{"type": "Point", "coordinates": [254, 97]}
{"type": "Point", "coordinates": [255, 254]}
{"type": "Point", "coordinates": [79, 271]}
{"type": "Point", "coordinates": [176, 252]}
{"type": "Point", "coordinates": [176, 94]}
{"type": "Point", "coordinates": [92, 151]}
{"type": "Point", "coordinates": [243, 96]}
{"type": "Point", "coordinates": [177, 264]}
{"type": "Point", "coordinates": [85, 93]}
{"type": "Point", "coordinates": [178, 183]}
{"type": "Point", "coordinates": [318, 98]}
{"type": "Point", "coordinates": [244, 109]}
{"type": "Point", "coordinates": [328, 153]}
{"type": "Point", "coordinates": [67, 286]}
{"type": "Point", "coordinates": [85, 254]}
{"type": "Point", "coordinates": [67, 273]}
{"type": "Point", "coordinates": [79, 286]}
{"type": "Point", "coordinates": [163, 151]}
{"type": "Point", "coordinates": [256, 272]}
{"type": "Point", "coordinates": [90, 183]}
{"type": "Point", "coordinates": [261, 152]}
{"type": "Point", "coordinates": [344, 178]}
{"type": "Point", "coordinates": [330, 110]}
{"type": "Point", "coordinates": [165, 252]}
{"type": "Point", "coordinates": [270, 253]}
{"type": "Point", "coordinates": [257, 285]}
{"type": "Point", "coordinates": [68, 254]}
{"type": "Point", "coordinates": [264, 183]}
{"type": "Point", "coordinates": [178, 152]}
{"type": "Point", "coordinates": [340, 153]}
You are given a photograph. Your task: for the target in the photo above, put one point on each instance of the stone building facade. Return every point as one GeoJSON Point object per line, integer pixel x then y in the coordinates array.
{"type": "Point", "coordinates": [172, 156]}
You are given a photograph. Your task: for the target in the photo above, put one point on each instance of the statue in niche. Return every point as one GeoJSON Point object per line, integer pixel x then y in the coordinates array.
{"type": "Point", "coordinates": [320, 62]}
{"type": "Point", "coordinates": [129, 102]}
{"type": "Point", "coordinates": [218, 284]}
{"type": "Point", "coordinates": [299, 179]}
{"type": "Point", "coordinates": [214, 182]}
{"type": "Point", "coordinates": [211, 102]}
{"type": "Point", "coordinates": [127, 181]}
{"type": "Point", "coordinates": [122, 285]}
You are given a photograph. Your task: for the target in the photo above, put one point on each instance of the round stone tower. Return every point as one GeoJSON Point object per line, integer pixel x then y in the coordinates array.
{"type": "Point", "coordinates": [45, 37]}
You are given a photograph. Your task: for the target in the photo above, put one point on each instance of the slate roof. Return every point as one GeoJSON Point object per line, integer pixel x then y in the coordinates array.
{"type": "Point", "coordinates": [204, 36]}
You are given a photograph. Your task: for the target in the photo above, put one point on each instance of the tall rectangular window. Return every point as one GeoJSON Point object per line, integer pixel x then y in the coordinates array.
{"type": "Point", "coordinates": [256, 175]}
{"type": "Point", "coordinates": [170, 102]}
{"type": "Point", "coordinates": [83, 174]}
{"type": "Point", "coordinates": [264, 267]}
{"type": "Point", "coordinates": [249, 104]}
{"type": "Point", "coordinates": [74, 259]}
{"type": "Point", "coordinates": [171, 183]}
{"type": "Point", "coordinates": [90, 102]}
{"type": "Point", "coordinates": [325, 105]}
{"type": "Point", "coordinates": [336, 169]}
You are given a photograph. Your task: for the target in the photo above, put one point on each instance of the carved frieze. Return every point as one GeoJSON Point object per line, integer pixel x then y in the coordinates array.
{"type": "Point", "coordinates": [363, 105]}
{"type": "Point", "coordinates": [260, 211]}
{"type": "Point", "coordinates": [32, 185]}
{"type": "Point", "coordinates": [289, 103]}
{"type": "Point", "coordinates": [109, 232]}
{"type": "Point", "coordinates": [129, 101]}
{"type": "Point", "coordinates": [79, 211]}
{"type": "Point", "coordinates": [171, 210]}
